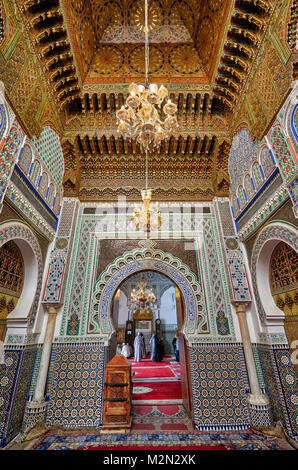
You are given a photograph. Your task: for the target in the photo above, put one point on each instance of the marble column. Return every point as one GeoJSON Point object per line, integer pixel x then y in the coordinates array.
{"type": "Point", "coordinates": [46, 353]}
{"type": "Point", "coordinates": [256, 397]}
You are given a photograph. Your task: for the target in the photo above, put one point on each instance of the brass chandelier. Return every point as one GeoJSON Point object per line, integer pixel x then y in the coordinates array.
{"type": "Point", "coordinates": [146, 116]}
{"type": "Point", "coordinates": [141, 295]}
{"type": "Point", "coordinates": [147, 214]}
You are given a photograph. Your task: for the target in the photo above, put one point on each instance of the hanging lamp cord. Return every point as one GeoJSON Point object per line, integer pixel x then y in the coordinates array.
{"type": "Point", "coordinates": [146, 45]}
{"type": "Point", "coordinates": [146, 72]}
{"type": "Point", "coordinates": [146, 169]}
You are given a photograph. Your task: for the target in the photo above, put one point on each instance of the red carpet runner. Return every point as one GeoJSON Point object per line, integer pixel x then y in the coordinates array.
{"type": "Point", "coordinates": [156, 391]}
{"type": "Point", "coordinates": [156, 381]}
{"type": "Point", "coordinates": [157, 397]}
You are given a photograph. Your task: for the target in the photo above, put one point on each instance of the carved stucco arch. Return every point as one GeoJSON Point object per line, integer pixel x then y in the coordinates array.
{"type": "Point", "coordinates": [195, 313]}
{"type": "Point", "coordinates": [23, 236]}
{"type": "Point", "coordinates": [268, 238]}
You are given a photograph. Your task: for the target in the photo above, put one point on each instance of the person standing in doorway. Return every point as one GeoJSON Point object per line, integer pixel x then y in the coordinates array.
{"type": "Point", "coordinates": [125, 350]}
{"type": "Point", "coordinates": [175, 344]}
{"type": "Point", "coordinates": [156, 349]}
{"type": "Point", "coordinates": [177, 349]}
{"type": "Point", "coordinates": [138, 343]}
{"type": "Point", "coordinates": [143, 346]}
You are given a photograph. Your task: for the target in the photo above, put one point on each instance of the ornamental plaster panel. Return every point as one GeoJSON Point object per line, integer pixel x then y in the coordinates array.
{"type": "Point", "coordinates": [196, 320]}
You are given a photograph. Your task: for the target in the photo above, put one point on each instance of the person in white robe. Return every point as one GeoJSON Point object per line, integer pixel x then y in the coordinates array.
{"type": "Point", "coordinates": [138, 343]}
{"type": "Point", "coordinates": [125, 350]}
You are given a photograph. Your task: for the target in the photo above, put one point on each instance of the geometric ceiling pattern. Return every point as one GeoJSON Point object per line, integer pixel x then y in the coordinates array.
{"type": "Point", "coordinates": [68, 64]}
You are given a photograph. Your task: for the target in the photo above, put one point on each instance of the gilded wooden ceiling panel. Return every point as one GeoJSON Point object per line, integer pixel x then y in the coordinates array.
{"type": "Point", "coordinates": [226, 63]}
{"type": "Point", "coordinates": [167, 63]}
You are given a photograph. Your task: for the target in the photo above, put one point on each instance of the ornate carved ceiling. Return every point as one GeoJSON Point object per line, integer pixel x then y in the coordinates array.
{"type": "Point", "coordinates": [225, 62]}
{"type": "Point", "coordinates": [108, 39]}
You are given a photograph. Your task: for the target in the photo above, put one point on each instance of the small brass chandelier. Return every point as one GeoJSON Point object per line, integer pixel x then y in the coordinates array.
{"type": "Point", "coordinates": [141, 295]}
{"type": "Point", "coordinates": [147, 214]}
{"type": "Point", "coordinates": [141, 116]}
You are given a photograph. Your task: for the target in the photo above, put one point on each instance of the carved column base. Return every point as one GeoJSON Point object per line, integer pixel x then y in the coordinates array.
{"type": "Point", "coordinates": [259, 410]}
{"type": "Point", "coordinates": [35, 412]}
{"type": "Point", "coordinates": [258, 400]}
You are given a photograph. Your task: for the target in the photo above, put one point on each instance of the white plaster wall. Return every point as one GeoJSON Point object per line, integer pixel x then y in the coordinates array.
{"type": "Point", "coordinates": [123, 310]}
{"type": "Point", "coordinates": [168, 306]}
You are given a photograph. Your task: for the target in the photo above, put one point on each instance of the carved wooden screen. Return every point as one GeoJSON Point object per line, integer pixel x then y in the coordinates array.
{"type": "Point", "coordinates": [11, 281]}
{"type": "Point", "coordinates": [11, 268]}
{"type": "Point", "coordinates": [283, 269]}
{"type": "Point", "coordinates": [284, 288]}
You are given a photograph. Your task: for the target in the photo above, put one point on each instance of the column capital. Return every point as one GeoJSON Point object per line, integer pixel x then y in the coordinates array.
{"type": "Point", "coordinates": [241, 307]}
{"type": "Point", "coordinates": [52, 307]}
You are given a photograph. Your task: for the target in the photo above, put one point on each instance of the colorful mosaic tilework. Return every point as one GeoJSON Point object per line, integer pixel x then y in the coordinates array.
{"type": "Point", "coordinates": [267, 162]}
{"type": "Point", "coordinates": [240, 440]}
{"type": "Point", "coordinates": [8, 155]}
{"type": "Point", "coordinates": [21, 392]}
{"type": "Point", "coordinates": [8, 379]}
{"type": "Point", "coordinates": [33, 415]}
{"type": "Point", "coordinates": [281, 386]}
{"type": "Point", "coordinates": [220, 385]}
{"type": "Point", "coordinates": [243, 150]}
{"type": "Point", "coordinates": [3, 120]}
{"type": "Point", "coordinates": [282, 153]}
{"type": "Point", "coordinates": [288, 386]}
{"type": "Point", "coordinates": [259, 415]}
{"type": "Point", "coordinates": [78, 288]}
{"type": "Point", "coordinates": [75, 389]}
{"type": "Point", "coordinates": [59, 255]}
{"type": "Point", "coordinates": [48, 146]}
{"type": "Point", "coordinates": [226, 221]}
{"type": "Point", "coordinates": [15, 376]}
{"type": "Point", "coordinates": [293, 190]}
{"type": "Point", "coordinates": [238, 282]}
{"type": "Point", "coordinates": [219, 297]}
{"type": "Point", "coordinates": [31, 213]}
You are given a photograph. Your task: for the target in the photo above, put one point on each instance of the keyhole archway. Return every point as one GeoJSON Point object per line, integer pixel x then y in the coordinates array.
{"type": "Point", "coordinates": [195, 320]}
{"type": "Point", "coordinates": [142, 323]}
{"type": "Point", "coordinates": [193, 314]}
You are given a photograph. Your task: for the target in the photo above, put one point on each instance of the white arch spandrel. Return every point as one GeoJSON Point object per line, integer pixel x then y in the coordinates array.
{"type": "Point", "coordinates": [23, 314]}
{"type": "Point", "coordinates": [272, 234]}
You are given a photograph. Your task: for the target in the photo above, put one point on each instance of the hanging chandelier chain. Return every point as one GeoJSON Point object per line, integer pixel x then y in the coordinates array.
{"type": "Point", "coordinates": [146, 169]}
{"type": "Point", "coordinates": [141, 118]}
{"type": "Point", "coordinates": [146, 45]}
{"type": "Point", "coordinates": [148, 115]}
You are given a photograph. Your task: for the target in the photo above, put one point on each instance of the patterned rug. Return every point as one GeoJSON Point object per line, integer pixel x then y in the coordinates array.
{"type": "Point", "coordinates": [78, 440]}
{"type": "Point", "coordinates": [169, 417]}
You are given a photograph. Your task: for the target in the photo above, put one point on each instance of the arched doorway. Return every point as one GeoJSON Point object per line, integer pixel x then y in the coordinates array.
{"type": "Point", "coordinates": [164, 316]}
{"type": "Point", "coordinates": [267, 240]}
{"type": "Point", "coordinates": [28, 253]}
{"type": "Point", "coordinates": [188, 288]}
{"type": "Point", "coordinates": [11, 281]}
